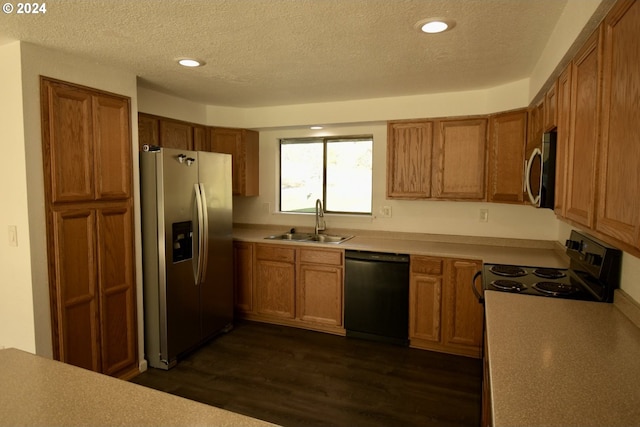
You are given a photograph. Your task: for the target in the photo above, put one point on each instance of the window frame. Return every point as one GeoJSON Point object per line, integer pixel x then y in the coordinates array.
{"type": "Point", "coordinates": [324, 140]}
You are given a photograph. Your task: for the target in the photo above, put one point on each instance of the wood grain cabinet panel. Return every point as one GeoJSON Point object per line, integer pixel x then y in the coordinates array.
{"type": "Point", "coordinates": [562, 140]}
{"type": "Point", "coordinates": [117, 287]}
{"type": "Point", "coordinates": [243, 276]}
{"type": "Point", "coordinates": [174, 134]}
{"type": "Point", "coordinates": [148, 130]}
{"type": "Point", "coordinates": [425, 308]}
{"type": "Point", "coordinates": [275, 275]}
{"type": "Point", "coordinates": [88, 201]}
{"type": "Point", "coordinates": [243, 145]}
{"type": "Point", "coordinates": [409, 151]}
{"type": "Point", "coordinates": [68, 140]}
{"type": "Point", "coordinates": [583, 132]}
{"type": "Point", "coordinates": [507, 139]}
{"type": "Point", "coordinates": [618, 213]}
{"type": "Point", "coordinates": [78, 328]}
{"type": "Point", "coordinates": [112, 158]}
{"type": "Point", "coordinates": [444, 314]}
{"type": "Point", "coordinates": [464, 313]}
{"type": "Point", "coordinates": [550, 110]}
{"type": "Point", "coordinates": [459, 159]}
{"type": "Point", "coordinates": [320, 294]}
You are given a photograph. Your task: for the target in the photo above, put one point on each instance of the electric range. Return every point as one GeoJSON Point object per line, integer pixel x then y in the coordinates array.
{"type": "Point", "coordinates": [593, 273]}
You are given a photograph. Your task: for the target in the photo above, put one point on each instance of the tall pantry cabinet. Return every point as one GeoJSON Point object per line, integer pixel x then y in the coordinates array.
{"type": "Point", "coordinates": [87, 159]}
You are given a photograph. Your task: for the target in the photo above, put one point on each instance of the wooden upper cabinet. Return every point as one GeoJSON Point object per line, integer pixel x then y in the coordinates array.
{"type": "Point", "coordinates": [112, 139]}
{"type": "Point", "coordinates": [618, 213]}
{"type": "Point", "coordinates": [550, 109]}
{"type": "Point", "coordinates": [586, 75]}
{"type": "Point", "coordinates": [201, 138]}
{"type": "Point", "coordinates": [507, 139]}
{"type": "Point", "coordinates": [68, 133]}
{"type": "Point", "coordinates": [148, 130]}
{"type": "Point", "coordinates": [409, 150]}
{"type": "Point", "coordinates": [89, 144]}
{"type": "Point", "coordinates": [459, 158]}
{"type": "Point", "coordinates": [243, 145]}
{"type": "Point", "coordinates": [562, 140]}
{"type": "Point", "coordinates": [174, 134]}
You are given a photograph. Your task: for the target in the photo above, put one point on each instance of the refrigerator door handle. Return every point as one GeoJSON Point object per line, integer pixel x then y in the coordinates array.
{"type": "Point", "coordinates": [204, 254]}
{"type": "Point", "coordinates": [197, 263]}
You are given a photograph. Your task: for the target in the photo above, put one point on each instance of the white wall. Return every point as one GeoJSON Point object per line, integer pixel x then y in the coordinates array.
{"type": "Point", "coordinates": [17, 327]}
{"type": "Point", "coordinates": [23, 177]}
{"type": "Point", "coordinates": [437, 217]}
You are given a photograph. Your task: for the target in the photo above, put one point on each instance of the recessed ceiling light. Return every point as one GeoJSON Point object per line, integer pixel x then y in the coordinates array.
{"type": "Point", "coordinates": [315, 127]}
{"type": "Point", "coordinates": [435, 25]}
{"type": "Point", "coordinates": [190, 62]}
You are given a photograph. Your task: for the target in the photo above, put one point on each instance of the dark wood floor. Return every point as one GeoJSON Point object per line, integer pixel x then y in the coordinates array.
{"type": "Point", "coordinates": [294, 377]}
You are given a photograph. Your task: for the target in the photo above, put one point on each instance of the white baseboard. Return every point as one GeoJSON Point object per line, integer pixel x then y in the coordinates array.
{"type": "Point", "coordinates": [142, 365]}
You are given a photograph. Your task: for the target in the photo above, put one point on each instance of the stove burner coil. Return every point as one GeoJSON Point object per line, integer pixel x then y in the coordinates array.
{"type": "Point", "coordinates": [555, 289]}
{"type": "Point", "coordinates": [508, 285]}
{"type": "Point", "coordinates": [549, 273]}
{"type": "Point", "coordinates": [508, 270]}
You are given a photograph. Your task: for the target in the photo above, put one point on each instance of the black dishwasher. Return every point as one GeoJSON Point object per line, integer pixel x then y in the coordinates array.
{"type": "Point", "coordinates": [376, 296]}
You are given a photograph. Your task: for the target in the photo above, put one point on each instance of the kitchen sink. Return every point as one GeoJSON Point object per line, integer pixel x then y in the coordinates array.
{"type": "Point", "coordinates": [310, 238]}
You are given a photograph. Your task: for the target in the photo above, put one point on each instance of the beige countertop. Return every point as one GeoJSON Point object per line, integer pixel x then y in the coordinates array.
{"type": "Point", "coordinates": [490, 250]}
{"type": "Point", "coordinates": [559, 362]}
{"type": "Point", "coordinates": [42, 392]}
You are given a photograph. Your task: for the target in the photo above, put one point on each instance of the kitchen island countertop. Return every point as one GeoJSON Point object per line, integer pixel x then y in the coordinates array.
{"type": "Point", "coordinates": [560, 362]}
{"type": "Point", "coordinates": [41, 392]}
{"type": "Point", "coordinates": [489, 250]}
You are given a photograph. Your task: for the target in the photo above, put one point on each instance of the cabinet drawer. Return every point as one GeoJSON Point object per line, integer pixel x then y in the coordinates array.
{"type": "Point", "coordinates": [315, 256]}
{"type": "Point", "coordinates": [275, 253]}
{"type": "Point", "coordinates": [426, 265]}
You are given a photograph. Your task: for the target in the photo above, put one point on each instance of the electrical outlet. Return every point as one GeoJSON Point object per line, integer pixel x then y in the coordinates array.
{"type": "Point", "coordinates": [266, 207]}
{"type": "Point", "coordinates": [484, 215]}
{"type": "Point", "coordinates": [385, 211]}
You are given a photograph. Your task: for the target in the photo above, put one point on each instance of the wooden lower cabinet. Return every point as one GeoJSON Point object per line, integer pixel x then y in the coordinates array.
{"type": "Point", "coordinates": [95, 288]}
{"type": "Point", "coordinates": [444, 314]}
{"type": "Point", "coordinates": [275, 272]}
{"type": "Point", "coordinates": [319, 286]}
{"type": "Point", "coordinates": [243, 277]}
{"type": "Point", "coordinates": [290, 285]}
{"type": "Point", "coordinates": [487, 413]}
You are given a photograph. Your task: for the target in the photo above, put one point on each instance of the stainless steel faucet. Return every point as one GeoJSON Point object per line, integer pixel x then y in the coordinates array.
{"type": "Point", "coordinates": [320, 224]}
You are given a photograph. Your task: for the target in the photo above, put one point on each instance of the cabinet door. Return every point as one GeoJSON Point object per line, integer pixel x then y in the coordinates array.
{"type": "Point", "coordinates": [243, 276]}
{"type": "Point", "coordinates": [275, 281]}
{"type": "Point", "coordinates": [619, 186]}
{"type": "Point", "coordinates": [76, 323]}
{"type": "Point", "coordinates": [550, 116]}
{"type": "Point", "coordinates": [464, 314]}
{"type": "Point", "coordinates": [112, 147]}
{"type": "Point", "coordinates": [583, 133]}
{"type": "Point", "coordinates": [243, 145]}
{"type": "Point", "coordinates": [459, 159]}
{"type": "Point", "coordinates": [117, 288]}
{"type": "Point", "coordinates": [562, 140]}
{"type": "Point", "coordinates": [148, 130]}
{"type": "Point", "coordinates": [201, 138]}
{"type": "Point", "coordinates": [409, 150]}
{"type": "Point", "coordinates": [320, 294]}
{"type": "Point", "coordinates": [68, 133]}
{"type": "Point", "coordinates": [508, 133]}
{"type": "Point", "coordinates": [425, 302]}
{"type": "Point", "coordinates": [176, 135]}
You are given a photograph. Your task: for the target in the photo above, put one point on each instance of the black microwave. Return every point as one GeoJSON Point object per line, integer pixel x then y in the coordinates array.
{"type": "Point", "coordinates": [540, 173]}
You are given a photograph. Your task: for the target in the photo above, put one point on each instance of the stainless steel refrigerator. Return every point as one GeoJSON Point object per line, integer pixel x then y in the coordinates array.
{"type": "Point", "coordinates": [187, 250]}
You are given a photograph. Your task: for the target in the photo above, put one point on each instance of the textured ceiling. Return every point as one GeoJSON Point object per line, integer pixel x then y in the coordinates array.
{"type": "Point", "coordinates": [279, 52]}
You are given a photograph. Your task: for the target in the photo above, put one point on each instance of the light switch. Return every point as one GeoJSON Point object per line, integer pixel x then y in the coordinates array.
{"type": "Point", "coordinates": [13, 235]}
